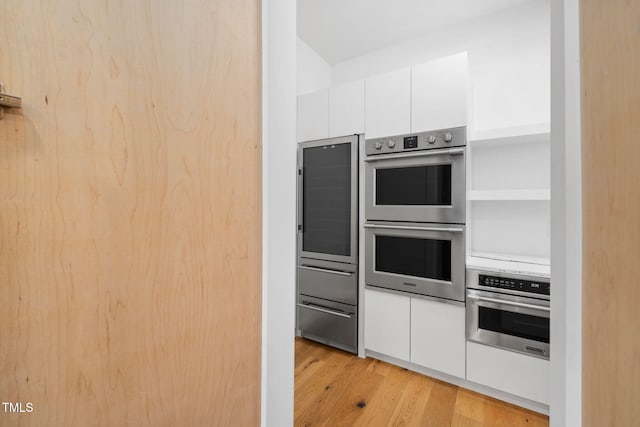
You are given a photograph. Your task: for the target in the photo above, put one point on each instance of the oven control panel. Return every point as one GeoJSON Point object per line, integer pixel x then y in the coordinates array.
{"type": "Point", "coordinates": [443, 138]}
{"type": "Point", "coordinates": [514, 284]}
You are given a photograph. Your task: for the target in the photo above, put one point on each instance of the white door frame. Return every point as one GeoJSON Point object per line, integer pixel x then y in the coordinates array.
{"type": "Point", "coordinates": [279, 124]}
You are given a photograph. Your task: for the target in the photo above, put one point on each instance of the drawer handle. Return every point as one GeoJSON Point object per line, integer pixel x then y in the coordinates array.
{"type": "Point", "coordinates": [324, 310]}
{"type": "Point", "coordinates": [406, 227]}
{"type": "Point", "coordinates": [512, 303]}
{"type": "Point", "coordinates": [326, 270]}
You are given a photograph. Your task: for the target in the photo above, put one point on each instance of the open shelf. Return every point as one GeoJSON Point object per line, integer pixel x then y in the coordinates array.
{"type": "Point", "coordinates": [539, 132]}
{"type": "Point", "coordinates": [526, 194]}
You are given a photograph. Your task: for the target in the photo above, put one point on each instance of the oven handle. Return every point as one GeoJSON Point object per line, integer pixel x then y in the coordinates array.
{"type": "Point", "coordinates": [407, 227]}
{"type": "Point", "coordinates": [325, 270]}
{"type": "Point", "coordinates": [324, 310]}
{"type": "Point", "coordinates": [515, 304]}
{"type": "Point", "coordinates": [450, 151]}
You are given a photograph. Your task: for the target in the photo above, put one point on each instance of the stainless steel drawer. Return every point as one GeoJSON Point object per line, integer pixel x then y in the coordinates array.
{"type": "Point", "coordinates": [328, 322]}
{"type": "Point", "coordinates": [329, 281]}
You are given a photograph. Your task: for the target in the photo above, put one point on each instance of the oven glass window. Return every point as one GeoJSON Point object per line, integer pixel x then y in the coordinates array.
{"type": "Point", "coordinates": [420, 185]}
{"type": "Point", "coordinates": [515, 324]}
{"type": "Point", "coordinates": [428, 258]}
{"type": "Point", "coordinates": [326, 204]}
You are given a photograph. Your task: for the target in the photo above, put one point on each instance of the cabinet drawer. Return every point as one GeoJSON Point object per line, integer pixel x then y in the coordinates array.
{"type": "Point", "coordinates": [334, 285]}
{"type": "Point", "coordinates": [507, 371]}
{"type": "Point", "coordinates": [328, 322]}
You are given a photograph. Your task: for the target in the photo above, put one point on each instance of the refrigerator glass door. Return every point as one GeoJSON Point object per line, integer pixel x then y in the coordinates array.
{"type": "Point", "coordinates": [327, 199]}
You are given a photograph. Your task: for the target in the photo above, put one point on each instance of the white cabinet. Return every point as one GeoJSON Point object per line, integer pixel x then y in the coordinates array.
{"type": "Point", "coordinates": [439, 93]}
{"type": "Point", "coordinates": [346, 109]}
{"type": "Point", "coordinates": [513, 373]}
{"type": "Point", "coordinates": [313, 116]}
{"type": "Point", "coordinates": [386, 320]}
{"type": "Point", "coordinates": [388, 104]}
{"type": "Point", "coordinates": [438, 336]}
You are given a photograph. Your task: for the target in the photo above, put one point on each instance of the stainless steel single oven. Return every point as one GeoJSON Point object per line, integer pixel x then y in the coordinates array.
{"type": "Point", "coordinates": [417, 178]}
{"type": "Point", "coordinates": [509, 311]}
{"type": "Point", "coordinates": [425, 259]}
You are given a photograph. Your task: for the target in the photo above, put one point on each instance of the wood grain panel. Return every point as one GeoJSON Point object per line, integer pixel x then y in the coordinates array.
{"type": "Point", "coordinates": [130, 212]}
{"type": "Point", "coordinates": [610, 42]}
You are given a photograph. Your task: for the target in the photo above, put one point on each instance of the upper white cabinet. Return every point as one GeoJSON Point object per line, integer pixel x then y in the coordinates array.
{"type": "Point", "coordinates": [388, 104]}
{"type": "Point", "coordinates": [346, 109]}
{"type": "Point", "coordinates": [313, 116]}
{"type": "Point", "coordinates": [439, 93]}
{"type": "Point", "coordinates": [438, 336]}
{"type": "Point", "coordinates": [386, 320]}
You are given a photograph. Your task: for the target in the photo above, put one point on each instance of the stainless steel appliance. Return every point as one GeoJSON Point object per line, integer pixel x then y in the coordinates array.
{"type": "Point", "coordinates": [426, 259]}
{"type": "Point", "coordinates": [415, 213]}
{"type": "Point", "coordinates": [327, 273]}
{"type": "Point", "coordinates": [417, 178]}
{"type": "Point", "coordinates": [509, 311]}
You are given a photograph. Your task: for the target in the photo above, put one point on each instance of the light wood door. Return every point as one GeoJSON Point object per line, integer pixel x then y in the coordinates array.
{"type": "Point", "coordinates": [610, 63]}
{"type": "Point", "coordinates": [130, 211]}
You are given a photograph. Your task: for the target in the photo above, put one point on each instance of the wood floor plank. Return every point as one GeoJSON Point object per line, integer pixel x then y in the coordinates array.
{"type": "Point", "coordinates": [379, 409]}
{"type": "Point", "coordinates": [335, 388]}
{"type": "Point", "coordinates": [307, 394]}
{"type": "Point", "coordinates": [470, 405]}
{"type": "Point", "coordinates": [440, 407]}
{"type": "Point", "coordinates": [412, 402]}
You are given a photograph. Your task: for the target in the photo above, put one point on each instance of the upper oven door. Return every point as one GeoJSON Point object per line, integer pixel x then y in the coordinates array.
{"type": "Point", "coordinates": [418, 186]}
{"type": "Point", "coordinates": [424, 259]}
{"type": "Point", "coordinates": [328, 199]}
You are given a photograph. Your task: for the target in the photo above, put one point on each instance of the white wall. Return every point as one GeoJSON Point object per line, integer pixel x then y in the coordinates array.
{"type": "Point", "coordinates": [278, 210]}
{"type": "Point", "coordinates": [509, 61]}
{"type": "Point", "coordinates": [314, 73]}
{"type": "Point", "coordinates": [566, 218]}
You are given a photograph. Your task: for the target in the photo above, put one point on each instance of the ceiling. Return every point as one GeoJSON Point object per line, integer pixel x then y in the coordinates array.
{"type": "Point", "coordinates": [343, 29]}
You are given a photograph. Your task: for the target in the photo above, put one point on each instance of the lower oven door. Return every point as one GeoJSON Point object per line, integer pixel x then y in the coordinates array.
{"type": "Point", "coordinates": [515, 323]}
{"type": "Point", "coordinates": [426, 259]}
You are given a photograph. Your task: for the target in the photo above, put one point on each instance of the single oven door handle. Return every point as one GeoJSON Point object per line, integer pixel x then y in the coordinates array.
{"type": "Point", "coordinates": [512, 303]}
{"type": "Point", "coordinates": [326, 270]}
{"type": "Point", "coordinates": [450, 151]}
{"type": "Point", "coordinates": [407, 227]}
{"type": "Point", "coordinates": [324, 310]}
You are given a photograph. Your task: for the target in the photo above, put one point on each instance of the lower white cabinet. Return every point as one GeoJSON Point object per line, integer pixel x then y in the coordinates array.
{"type": "Point", "coordinates": [438, 336]}
{"type": "Point", "coordinates": [513, 373]}
{"type": "Point", "coordinates": [386, 320]}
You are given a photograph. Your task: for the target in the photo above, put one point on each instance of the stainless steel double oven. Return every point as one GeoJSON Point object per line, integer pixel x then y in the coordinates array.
{"type": "Point", "coordinates": [415, 213]}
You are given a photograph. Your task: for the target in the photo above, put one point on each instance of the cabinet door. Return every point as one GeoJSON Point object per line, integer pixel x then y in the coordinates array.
{"type": "Point", "coordinates": [346, 109]}
{"type": "Point", "coordinates": [439, 93]}
{"type": "Point", "coordinates": [438, 336]}
{"type": "Point", "coordinates": [386, 323]}
{"type": "Point", "coordinates": [313, 116]}
{"type": "Point", "coordinates": [511, 372]}
{"type": "Point", "coordinates": [388, 104]}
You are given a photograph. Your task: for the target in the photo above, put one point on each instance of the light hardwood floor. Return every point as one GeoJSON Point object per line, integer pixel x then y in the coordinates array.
{"type": "Point", "coordinates": [335, 388]}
